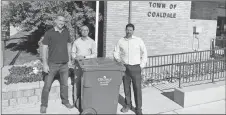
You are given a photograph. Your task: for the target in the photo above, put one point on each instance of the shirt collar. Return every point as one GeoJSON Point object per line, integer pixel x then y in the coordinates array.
{"type": "Point", "coordinates": [130, 38]}
{"type": "Point", "coordinates": [85, 39]}
{"type": "Point", "coordinates": [57, 30]}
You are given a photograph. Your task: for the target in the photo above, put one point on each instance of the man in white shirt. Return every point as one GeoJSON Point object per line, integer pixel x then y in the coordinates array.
{"type": "Point", "coordinates": [131, 51]}
{"type": "Point", "coordinates": [83, 47]}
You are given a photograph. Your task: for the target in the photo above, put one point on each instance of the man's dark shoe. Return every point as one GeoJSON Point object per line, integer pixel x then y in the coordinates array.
{"type": "Point", "coordinates": [139, 112]}
{"type": "Point", "coordinates": [43, 109]}
{"type": "Point", "coordinates": [69, 106]}
{"type": "Point", "coordinates": [125, 109]}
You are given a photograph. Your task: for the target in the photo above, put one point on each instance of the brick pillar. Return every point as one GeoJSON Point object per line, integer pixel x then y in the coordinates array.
{"type": "Point", "coordinates": [104, 28]}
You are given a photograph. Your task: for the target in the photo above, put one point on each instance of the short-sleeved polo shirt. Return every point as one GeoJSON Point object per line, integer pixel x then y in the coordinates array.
{"type": "Point", "coordinates": [57, 44]}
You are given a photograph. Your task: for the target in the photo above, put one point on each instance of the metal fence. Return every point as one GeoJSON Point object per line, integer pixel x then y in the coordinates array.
{"type": "Point", "coordinates": [202, 72]}
{"type": "Point", "coordinates": [178, 67]}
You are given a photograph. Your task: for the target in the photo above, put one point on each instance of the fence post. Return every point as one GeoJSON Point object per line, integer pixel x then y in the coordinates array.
{"type": "Point", "coordinates": [224, 45]}
{"type": "Point", "coordinates": [213, 72]}
{"type": "Point", "coordinates": [180, 76]}
{"type": "Point", "coordinates": [213, 52]}
{"type": "Point", "coordinates": [225, 52]}
{"type": "Point", "coordinates": [172, 70]}
{"type": "Point", "coordinates": [200, 63]}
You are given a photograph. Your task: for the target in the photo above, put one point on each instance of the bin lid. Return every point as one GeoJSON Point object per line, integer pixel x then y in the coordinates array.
{"type": "Point", "coordinates": [100, 64]}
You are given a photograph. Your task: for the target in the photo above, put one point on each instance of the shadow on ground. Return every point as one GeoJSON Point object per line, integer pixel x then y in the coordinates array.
{"type": "Point", "coordinates": [11, 45]}
{"type": "Point", "coordinates": [169, 94]}
{"type": "Point", "coordinates": [121, 100]}
{"type": "Point", "coordinates": [25, 42]}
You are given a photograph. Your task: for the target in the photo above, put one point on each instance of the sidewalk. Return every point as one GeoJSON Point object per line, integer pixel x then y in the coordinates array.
{"type": "Point", "coordinates": [153, 103]}
{"type": "Point", "coordinates": [217, 107]}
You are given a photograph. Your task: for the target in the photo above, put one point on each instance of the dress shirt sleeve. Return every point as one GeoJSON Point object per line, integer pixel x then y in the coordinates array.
{"type": "Point", "coordinates": [93, 51]}
{"type": "Point", "coordinates": [143, 54]}
{"type": "Point", "coordinates": [116, 52]}
{"type": "Point", "coordinates": [74, 50]}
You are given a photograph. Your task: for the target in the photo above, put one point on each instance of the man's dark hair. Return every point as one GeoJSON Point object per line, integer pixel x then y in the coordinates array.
{"type": "Point", "coordinates": [130, 25]}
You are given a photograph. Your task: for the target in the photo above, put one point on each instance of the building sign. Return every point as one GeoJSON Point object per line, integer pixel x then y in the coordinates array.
{"type": "Point", "coordinates": [159, 14]}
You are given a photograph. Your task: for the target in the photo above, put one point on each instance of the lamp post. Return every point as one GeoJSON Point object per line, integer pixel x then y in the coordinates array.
{"type": "Point", "coordinates": [97, 24]}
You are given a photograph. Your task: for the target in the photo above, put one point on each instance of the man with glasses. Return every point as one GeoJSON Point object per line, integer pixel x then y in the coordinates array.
{"type": "Point", "coordinates": [83, 47]}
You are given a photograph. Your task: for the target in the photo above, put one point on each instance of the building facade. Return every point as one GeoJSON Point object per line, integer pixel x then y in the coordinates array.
{"type": "Point", "coordinates": [165, 26]}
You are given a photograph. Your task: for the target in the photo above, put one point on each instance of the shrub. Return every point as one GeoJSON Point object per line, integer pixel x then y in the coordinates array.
{"type": "Point", "coordinates": [30, 72]}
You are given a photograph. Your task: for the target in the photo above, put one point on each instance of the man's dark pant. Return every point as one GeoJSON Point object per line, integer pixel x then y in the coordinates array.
{"type": "Point", "coordinates": [77, 82]}
{"type": "Point", "coordinates": [133, 72]}
{"type": "Point", "coordinates": [53, 70]}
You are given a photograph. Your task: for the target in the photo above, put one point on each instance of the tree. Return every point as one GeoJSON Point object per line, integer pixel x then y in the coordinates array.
{"type": "Point", "coordinates": [32, 15]}
{"type": "Point", "coordinates": [5, 17]}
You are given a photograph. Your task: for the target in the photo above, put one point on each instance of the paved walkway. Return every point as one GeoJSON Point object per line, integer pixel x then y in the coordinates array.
{"type": "Point", "coordinates": [153, 103]}
{"type": "Point", "coordinates": [217, 107]}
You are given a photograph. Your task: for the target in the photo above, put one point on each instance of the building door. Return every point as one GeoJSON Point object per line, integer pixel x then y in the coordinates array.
{"type": "Point", "coordinates": [221, 24]}
{"type": "Point", "coordinates": [221, 32]}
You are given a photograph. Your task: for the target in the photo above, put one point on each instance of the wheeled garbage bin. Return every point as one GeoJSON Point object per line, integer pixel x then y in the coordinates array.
{"type": "Point", "coordinates": [100, 83]}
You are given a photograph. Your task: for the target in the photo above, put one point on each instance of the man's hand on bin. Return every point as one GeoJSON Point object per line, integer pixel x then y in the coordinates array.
{"type": "Point", "coordinates": [80, 57]}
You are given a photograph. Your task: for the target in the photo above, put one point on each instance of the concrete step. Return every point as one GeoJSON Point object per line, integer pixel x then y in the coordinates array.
{"type": "Point", "coordinates": [217, 107]}
{"type": "Point", "coordinates": [199, 94]}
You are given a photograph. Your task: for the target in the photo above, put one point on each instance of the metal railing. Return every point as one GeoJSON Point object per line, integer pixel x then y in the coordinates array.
{"type": "Point", "coordinates": [170, 67]}
{"type": "Point", "coordinates": [202, 72]}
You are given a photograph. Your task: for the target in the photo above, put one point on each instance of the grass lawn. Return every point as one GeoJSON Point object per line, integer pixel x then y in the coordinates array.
{"type": "Point", "coordinates": [8, 56]}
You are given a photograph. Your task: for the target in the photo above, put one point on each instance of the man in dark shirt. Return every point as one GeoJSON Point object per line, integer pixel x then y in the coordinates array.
{"type": "Point", "coordinates": [56, 58]}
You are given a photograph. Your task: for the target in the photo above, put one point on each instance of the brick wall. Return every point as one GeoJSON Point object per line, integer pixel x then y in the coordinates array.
{"type": "Point", "coordinates": [32, 95]}
{"type": "Point", "coordinates": [221, 12]}
{"type": "Point", "coordinates": [117, 18]}
{"type": "Point", "coordinates": [161, 35]}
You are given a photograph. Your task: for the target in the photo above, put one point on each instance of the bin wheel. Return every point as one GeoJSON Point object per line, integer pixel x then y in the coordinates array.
{"type": "Point", "coordinates": [89, 111]}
